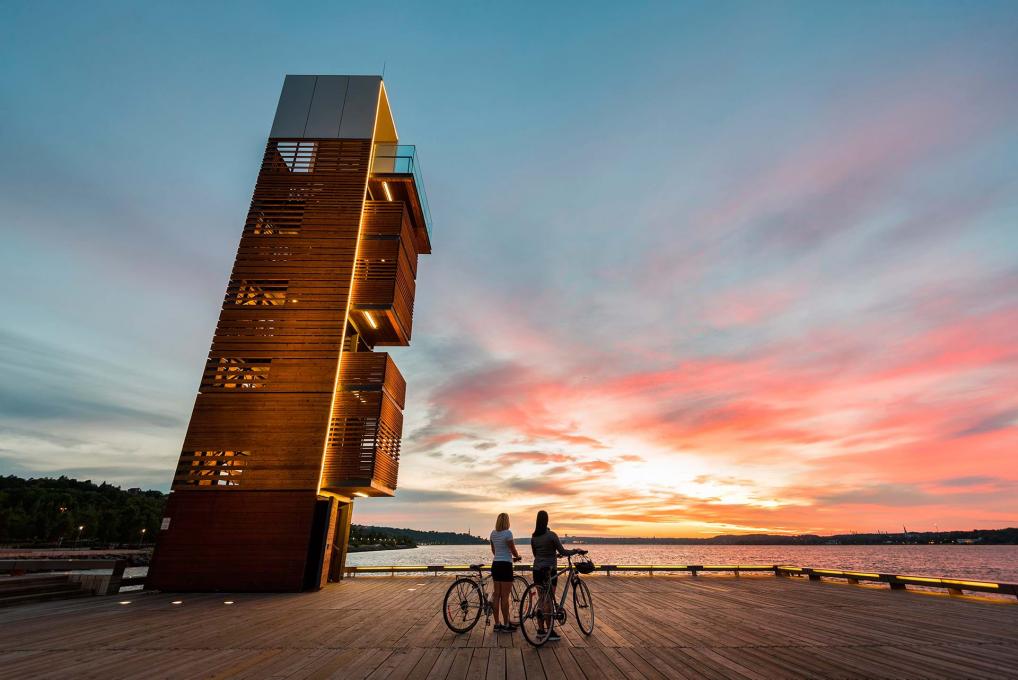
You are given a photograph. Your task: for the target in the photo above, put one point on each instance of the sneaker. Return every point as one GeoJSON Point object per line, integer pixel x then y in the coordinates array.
{"type": "Point", "coordinates": [509, 627]}
{"type": "Point", "coordinates": [499, 628]}
{"type": "Point", "coordinates": [554, 636]}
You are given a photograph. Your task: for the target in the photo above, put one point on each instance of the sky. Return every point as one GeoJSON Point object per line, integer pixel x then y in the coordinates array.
{"type": "Point", "coordinates": [699, 268]}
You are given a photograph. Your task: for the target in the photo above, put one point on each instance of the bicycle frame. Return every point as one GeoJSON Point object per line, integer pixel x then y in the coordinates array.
{"type": "Point", "coordinates": [482, 581]}
{"type": "Point", "coordinates": [458, 608]}
{"type": "Point", "coordinates": [568, 569]}
{"type": "Point", "coordinates": [489, 603]}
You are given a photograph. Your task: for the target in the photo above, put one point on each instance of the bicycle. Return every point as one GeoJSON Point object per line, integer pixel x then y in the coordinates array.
{"type": "Point", "coordinates": [468, 596]}
{"type": "Point", "coordinates": [539, 613]}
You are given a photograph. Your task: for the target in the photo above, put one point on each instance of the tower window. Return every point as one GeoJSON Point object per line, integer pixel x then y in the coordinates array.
{"type": "Point", "coordinates": [235, 373]}
{"type": "Point", "coordinates": [257, 292]}
{"type": "Point", "coordinates": [211, 468]}
{"type": "Point", "coordinates": [298, 156]}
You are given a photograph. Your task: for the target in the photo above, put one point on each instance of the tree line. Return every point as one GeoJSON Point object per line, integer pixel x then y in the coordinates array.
{"type": "Point", "coordinates": [49, 512]}
{"type": "Point", "coordinates": [413, 537]}
{"type": "Point", "coordinates": [66, 511]}
{"type": "Point", "coordinates": [1007, 536]}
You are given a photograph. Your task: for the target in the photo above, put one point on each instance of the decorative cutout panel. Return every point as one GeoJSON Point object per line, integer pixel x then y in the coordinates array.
{"type": "Point", "coordinates": [210, 468]}
{"type": "Point", "coordinates": [257, 292]}
{"type": "Point", "coordinates": [236, 374]}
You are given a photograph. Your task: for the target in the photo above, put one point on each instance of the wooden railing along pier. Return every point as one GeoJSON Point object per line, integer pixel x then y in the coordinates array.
{"type": "Point", "coordinates": [112, 581]}
{"type": "Point", "coordinates": [96, 576]}
{"type": "Point", "coordinates": [955, 586]}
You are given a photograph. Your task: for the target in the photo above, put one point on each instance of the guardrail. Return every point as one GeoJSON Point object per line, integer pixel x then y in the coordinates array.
{"type": "Point", "coordinates": [113, 581]}
{"type": "Point", "coordinates": [896, 581]}
{"type": "Point", "coordinates": [900, 582]}
{"type": "Point", "coordinates": [102, 584]}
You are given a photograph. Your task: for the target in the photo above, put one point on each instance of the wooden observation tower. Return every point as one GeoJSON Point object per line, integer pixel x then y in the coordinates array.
{"type": "Point", "coordinates": [297, 414]}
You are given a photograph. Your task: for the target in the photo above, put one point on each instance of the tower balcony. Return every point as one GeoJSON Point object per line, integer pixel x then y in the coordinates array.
{"type": "Point", "coordinates": [382, 302]}
{"type": "Point", "coordinates": [396, 176]}
{"type": "Point", "coordinates": [362, 457]}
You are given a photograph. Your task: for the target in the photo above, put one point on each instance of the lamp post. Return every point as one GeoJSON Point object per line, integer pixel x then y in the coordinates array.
{"type": "Point", "coordinates": [78, 538]}
{"type": "Point", "coordinates": [62, 509]}
{"type": "Point", "coordinates": [141, 539]}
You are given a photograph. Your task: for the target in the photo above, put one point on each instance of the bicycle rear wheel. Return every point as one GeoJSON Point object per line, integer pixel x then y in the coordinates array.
{"type": "Point", "coordinates": [463, 604]}
{"type": "Point", "coordinates": [583, 607]}
{"type": "Point", "coordinates": [515, 596]}
{"type": "Point", "coordinates": [536, 621]}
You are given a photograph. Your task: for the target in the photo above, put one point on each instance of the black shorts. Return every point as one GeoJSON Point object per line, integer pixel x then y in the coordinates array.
{"type": "Point", "coordinates": [541, 576]}
{"type": "Point", "coordinates": [502, 572]}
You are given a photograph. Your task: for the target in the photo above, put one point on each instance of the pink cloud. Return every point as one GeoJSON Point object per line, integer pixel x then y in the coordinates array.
{"type": "Point", "coordinates": [865, 394]}
{"type": "Point", "coordinates": [749, 305]}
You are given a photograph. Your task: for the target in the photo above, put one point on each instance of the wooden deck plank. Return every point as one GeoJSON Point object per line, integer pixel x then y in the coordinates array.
{"type": "Point", "coordinates": [566, 662]}
{"type": "Point", "coordinates": [646, 670]}
{"type": "Point", "coordinates": [496, 664]}
{"type": "Point", "coordinates": [514, 664]}
{"type": "Point", "coordinates": [552, 666]}
{"type": "Point", "coordinates": [647, 627]}
{"type": "Point", "coordinates": [442, 664]}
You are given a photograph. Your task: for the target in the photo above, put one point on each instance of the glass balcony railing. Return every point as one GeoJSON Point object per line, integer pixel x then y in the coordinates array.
{"type": "Point", "coordinates": [402, 159]}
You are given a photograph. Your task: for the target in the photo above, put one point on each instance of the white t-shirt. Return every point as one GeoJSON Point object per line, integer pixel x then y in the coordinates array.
{"type": "Point", "coordinates": [500, 543]}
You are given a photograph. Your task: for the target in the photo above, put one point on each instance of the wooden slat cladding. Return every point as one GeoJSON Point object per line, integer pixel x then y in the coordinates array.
{"type": "Point", "coordinates": [383, 282]}
{"type": "Point", "coordinates": [367, 426]}
{"type": "Point", "coordinates": [390, 220]}
{"type": "Point", "coordinates": [403, 187]}
{"type": "Point", "coordinates": [384, 278]}
{"type": "Point", "coordinates": [283, 432]}
{"type": "Point", "coordinates": [365, 444]}
{"type": "Point", "coordinates": [373, 371]}
{"type": "Point", "coordinates": [267, 387]}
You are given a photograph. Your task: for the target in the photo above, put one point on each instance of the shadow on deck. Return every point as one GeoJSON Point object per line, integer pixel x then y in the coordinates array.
{"type": "Point", "coordinates": [647, 627]}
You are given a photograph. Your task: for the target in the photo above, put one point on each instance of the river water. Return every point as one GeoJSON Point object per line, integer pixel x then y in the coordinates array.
{"type": "Point", "coordinates": [983, 562]}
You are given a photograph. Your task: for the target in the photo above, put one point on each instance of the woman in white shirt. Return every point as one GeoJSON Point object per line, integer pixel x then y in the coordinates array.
{"type": "Point", "coordinates": [504, 553]}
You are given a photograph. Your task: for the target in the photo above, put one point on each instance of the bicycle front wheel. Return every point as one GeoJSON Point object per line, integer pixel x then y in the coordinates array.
{"type": "Point", "coordinates": [583, 607]}
{"type": "Point", "coordinates": [537, 617]}
{"type": "Point", "coordinates": [463, 604]}
{"type": "Point", "coordinates": [515, 597]}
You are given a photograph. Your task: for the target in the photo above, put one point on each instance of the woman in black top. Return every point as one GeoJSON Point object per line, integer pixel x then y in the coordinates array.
{"type": "Point", "coordinates": [547, 548]}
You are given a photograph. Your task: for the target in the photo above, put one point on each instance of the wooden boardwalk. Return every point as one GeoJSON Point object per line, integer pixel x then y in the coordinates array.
{"type": "Point", "coordinates": [749, 627]}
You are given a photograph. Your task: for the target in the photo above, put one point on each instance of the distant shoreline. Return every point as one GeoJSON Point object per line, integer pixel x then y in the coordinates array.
{"type": "Point", "coordinates": [1008, 536]}
{"type": "Point", "coordinates": [378, 548]}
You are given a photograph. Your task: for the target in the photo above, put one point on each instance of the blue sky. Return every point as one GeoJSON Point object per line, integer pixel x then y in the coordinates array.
{"type": "Point", "coordinates": [735, 260]}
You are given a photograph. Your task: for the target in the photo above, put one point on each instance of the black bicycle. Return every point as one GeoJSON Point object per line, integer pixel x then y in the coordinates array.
{"type": "Point", "coordinates": [468, 597]}
{"type": "Point", "coordinates": [539, 613]}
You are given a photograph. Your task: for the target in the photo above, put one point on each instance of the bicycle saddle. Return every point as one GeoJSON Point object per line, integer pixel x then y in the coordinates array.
{"type": "Point", "coordinates": [476, 567]}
